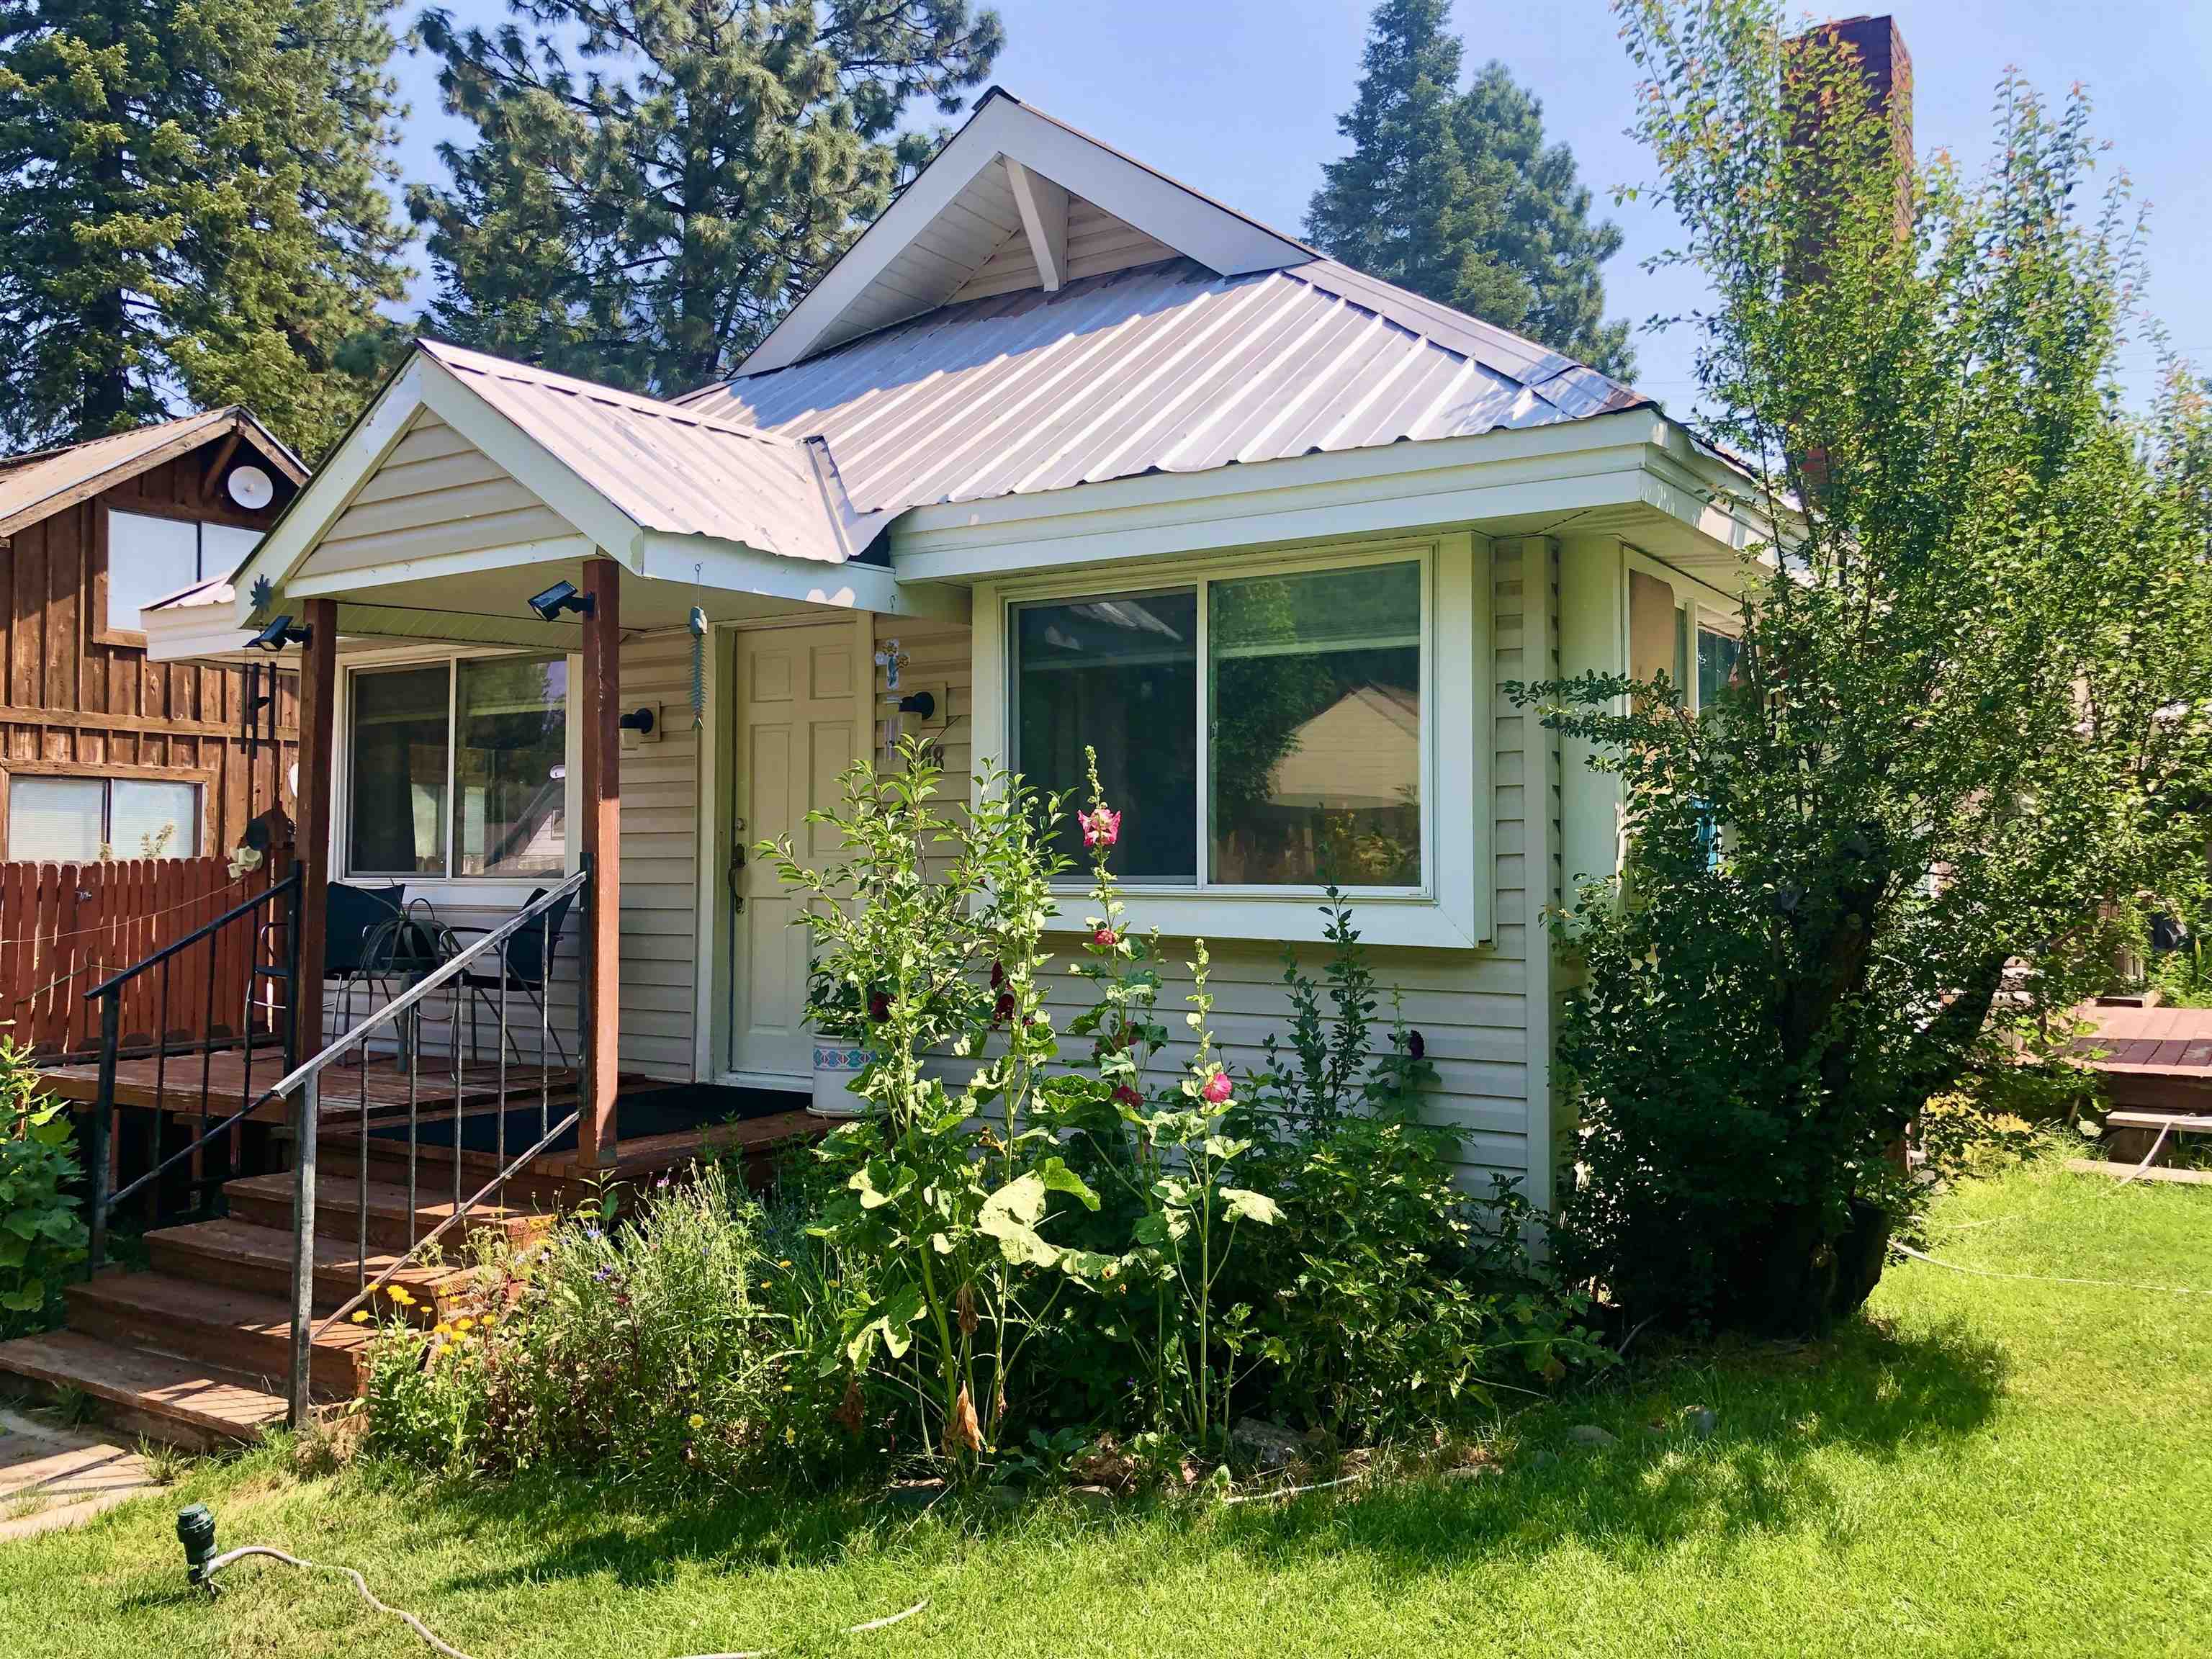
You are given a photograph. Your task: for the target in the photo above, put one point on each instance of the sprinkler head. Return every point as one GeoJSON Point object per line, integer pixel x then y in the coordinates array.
{"type": "Point", "coordinates": [196, 1532]}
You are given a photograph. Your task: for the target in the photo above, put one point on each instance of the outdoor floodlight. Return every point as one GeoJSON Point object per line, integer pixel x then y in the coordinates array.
{"type": "Point", "coordinates": [560, 597]}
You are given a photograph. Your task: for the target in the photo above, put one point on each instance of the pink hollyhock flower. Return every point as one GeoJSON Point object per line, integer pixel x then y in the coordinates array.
{"type": "Point", "coordinates": [1105, 936]}
{"type": "Point", "coordinates": [1102, 828]}
{"type": "Point", "coordinates": [1217, 1089]}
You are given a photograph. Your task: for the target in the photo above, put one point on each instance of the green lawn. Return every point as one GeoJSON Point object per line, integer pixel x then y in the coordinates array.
{"type": "Point", "coordinates": [1981, 1467]}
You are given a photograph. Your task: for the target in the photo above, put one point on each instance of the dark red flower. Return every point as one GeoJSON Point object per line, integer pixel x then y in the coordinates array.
{"type": "Point", "coordinates": [998, 975]}
{"type": "Point", "coordinates": [1416, 1045]}
{"type": "Point", "coordinates": [1127, 1095]}
{"type": "Point", "coordinates": [1004, 1009]}
{"type": "Point", "coordinates": [879, 1006]}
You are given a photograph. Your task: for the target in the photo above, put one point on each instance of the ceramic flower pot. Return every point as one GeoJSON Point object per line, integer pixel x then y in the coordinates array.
{"type": "Point", "coordinates": [838, 1063]}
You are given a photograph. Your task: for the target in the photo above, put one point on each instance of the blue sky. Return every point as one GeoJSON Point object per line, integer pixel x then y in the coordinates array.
{"type": "Point", "coordinates": [1241, 98]}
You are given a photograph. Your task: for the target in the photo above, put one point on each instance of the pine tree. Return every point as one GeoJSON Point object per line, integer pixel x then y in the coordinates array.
{"type": "Point", "coordinates": [1455, 197]}
{"type": "Point", "coordinates": [1545, 235]}
{"type": "Point", "coordinates": [191, 210]}
{"type": "Point", "coordinates": [652, 184]}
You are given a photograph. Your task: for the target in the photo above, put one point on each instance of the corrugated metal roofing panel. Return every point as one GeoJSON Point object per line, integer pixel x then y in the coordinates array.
{"type": "Point", "coordinates": [680, 470]}
{"type": "Point", "coordinates": [27, 481]}
{"type": "Point", "coordinates": [1166, 367]}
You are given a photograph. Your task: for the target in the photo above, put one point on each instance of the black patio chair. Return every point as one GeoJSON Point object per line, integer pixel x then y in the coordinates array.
{"type": "Point", "coordinates": [357, 924]}
{"type": "Point", "coordinates": [530, 952]}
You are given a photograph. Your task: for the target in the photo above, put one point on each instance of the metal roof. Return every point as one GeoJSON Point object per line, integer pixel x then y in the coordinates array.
{"type": "Point", "coordinates": [29, 482]}
{"type": "Point", "coordinates": [1166, 367]}
{"type": "Point", "coordinates": [682, 472]}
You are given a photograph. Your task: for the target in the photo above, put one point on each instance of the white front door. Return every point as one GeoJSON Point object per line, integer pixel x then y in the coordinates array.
{"type": "Point", "coordinates": [800, 722]}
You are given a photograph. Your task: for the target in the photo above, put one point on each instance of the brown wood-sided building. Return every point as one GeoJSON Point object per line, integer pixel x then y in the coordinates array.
{"type": "Point", "coordinates": [100, 748]}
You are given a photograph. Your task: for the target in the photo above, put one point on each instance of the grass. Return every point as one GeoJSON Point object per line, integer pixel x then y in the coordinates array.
{"type": "Point", "coordinates": [1981, 1466]}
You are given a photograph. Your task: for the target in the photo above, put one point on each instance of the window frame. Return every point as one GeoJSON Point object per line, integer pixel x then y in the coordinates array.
{"type": "Point", "coordinates": [491, 888]}
{"type": "Point", "coordinates": [205, 778]}
{"type": "Point", "coordinates": [1452, 907]}
{"type": "Point", "coordinates": [98, 629]}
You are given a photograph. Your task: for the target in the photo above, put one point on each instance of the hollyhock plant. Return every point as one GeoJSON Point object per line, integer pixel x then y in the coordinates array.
{"type": "Point", "coordinates": [1217, 1089]}
{"type": "Point", "coordinates": [1101, 827]}
{"type": "Point", "coordinates": [1105, 937]}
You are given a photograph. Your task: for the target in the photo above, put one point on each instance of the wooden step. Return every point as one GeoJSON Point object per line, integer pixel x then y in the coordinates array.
{"type": "Point", "coordinates": [212, 1324]}
{"type": "Point", "coordinates": [180, 1401]}
{"type": "Point", "coordinates": [2178, 1122]}
{"type": "Point", "coordinates": [2136, 1172]}
{"type": "Point", "coordinates": [266, 1202]}
{"type": "Point", "coordinates": [339, 1160]}
{"type": "Point", "coordinates": [260, 1259]}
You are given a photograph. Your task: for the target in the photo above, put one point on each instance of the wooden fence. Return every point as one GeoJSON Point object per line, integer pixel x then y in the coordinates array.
{"type": "Point", "coordinates": [64, 928]}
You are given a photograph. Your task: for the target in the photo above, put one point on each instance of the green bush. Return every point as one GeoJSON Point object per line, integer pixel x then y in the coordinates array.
{"type": "Point", "coordinates": [666, 1345]}
{"type": "Point", "coordinates": [41, 1236]}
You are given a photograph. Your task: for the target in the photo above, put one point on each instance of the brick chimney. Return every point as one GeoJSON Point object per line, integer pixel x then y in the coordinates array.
{"type": "Point", "coordinates": [1878, 47]}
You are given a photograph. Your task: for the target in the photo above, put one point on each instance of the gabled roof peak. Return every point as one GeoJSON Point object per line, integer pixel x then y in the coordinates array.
{"type": "Point", "coordinates": [1015, 179]}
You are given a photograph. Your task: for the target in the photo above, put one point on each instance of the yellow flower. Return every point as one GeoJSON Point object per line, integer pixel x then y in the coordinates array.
{"type": "Point", "coordinates": [488, 1321]}
{"type": "Point", "coordinates": [697, 1421]}
{"type": "Point", "coordinates": [786, 1388]}
{"type": "Point", "coordinates": [791, 1436]}
{"type": "Point", "coordinates": [441, 1328]}
{"type": "Point", "coordinates": [464, 1323]}
{"type": "Point", "coordinates": [785, 1263]}
{"type": "Point", "coordinates": [360, 1316]}
{"type": "Point", "coordinates": [400, 1294]}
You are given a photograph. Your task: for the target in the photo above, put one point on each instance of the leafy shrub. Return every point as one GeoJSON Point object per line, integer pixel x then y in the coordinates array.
{"type": "Point", "coordinates": [1389, 1297]}
{"type": "Point", "coordinates": [937, 918]}
{"type": "Point", "coordinates": [41, 1236]}
{"type": "Point", "coordinates": [666, 1345]}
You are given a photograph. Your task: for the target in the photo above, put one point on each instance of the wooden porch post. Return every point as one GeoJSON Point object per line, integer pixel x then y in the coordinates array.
{"type": "Point", "coordinates": [602, 843]}
{"type": "Point", "coordinates": [318, 684]}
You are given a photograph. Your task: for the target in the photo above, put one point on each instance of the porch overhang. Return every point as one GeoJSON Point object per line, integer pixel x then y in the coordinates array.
{"type": "Point", "coordinates": [469, 484]}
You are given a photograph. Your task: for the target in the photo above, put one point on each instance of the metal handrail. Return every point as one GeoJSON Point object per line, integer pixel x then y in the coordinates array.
{"type": "Point", "coordinates": [244, 907]}
{"type": "Point", "coordinates": [109, 994]}
{"type": "Point", "coordinates": [307, 1077]}
{"type": "Point", "coordinates": [446, 972]}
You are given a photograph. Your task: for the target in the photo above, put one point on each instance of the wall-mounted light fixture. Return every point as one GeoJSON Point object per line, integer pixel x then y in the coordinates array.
{"type": "Point", "coordinates": [639, 721]}
{"type": "Point", "coordinates": [561, 598]}
{"type": "Point", "coordinates": [279, 634]}
{"type": "Point", "coordinates": [923, 703]}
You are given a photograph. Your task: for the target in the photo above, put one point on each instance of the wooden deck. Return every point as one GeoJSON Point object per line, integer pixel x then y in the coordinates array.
{"type": "Point", "coordinates": [2158, 1059]}
{"type": "Point", "coordinates": [174, 1085]}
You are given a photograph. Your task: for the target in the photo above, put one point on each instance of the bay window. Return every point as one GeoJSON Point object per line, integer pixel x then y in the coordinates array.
{"type": "Point", "coordinates": [458, 768]}
{"type": "Point", "coordinates": [1263, 734]}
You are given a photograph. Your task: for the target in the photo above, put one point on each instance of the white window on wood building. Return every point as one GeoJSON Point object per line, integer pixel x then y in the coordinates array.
{"type": "Point", "coordinates": [149, 559]}
{"type": "Point", "coordinates": [80, 819]}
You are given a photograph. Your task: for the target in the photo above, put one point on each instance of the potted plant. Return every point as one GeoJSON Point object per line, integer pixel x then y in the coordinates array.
{"type": "Point", "coordinates": [838, 1024]}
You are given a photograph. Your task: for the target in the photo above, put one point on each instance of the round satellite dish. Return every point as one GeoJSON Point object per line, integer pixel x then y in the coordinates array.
{"type": "Point", "coordinates": [250, 487]}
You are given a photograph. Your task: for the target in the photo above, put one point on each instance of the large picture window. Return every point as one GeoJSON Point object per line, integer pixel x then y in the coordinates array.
{"type": "Point", "coordinates": [1258, 731]}
{"type": "Point", "coordinates": [459, 768]}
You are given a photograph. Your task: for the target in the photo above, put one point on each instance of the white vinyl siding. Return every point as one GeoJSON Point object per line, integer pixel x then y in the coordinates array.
{"type": "Point", "coordinates": [435, 494]}
{"type": "Point", "coordinates": [1470, 1005]}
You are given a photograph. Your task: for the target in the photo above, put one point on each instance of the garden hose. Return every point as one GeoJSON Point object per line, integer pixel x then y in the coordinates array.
{"type": "Point", "coordinates": [196, 1531]}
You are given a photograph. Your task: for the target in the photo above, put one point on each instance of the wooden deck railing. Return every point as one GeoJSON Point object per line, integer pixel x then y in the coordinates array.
{"type": "Point", "coordinates": [63, 927]}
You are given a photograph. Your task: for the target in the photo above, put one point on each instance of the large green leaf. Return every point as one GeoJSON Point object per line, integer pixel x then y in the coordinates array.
{"type": "Point", "coordinates": [31, 1294]}
{"type": "Point", "coordinates": [1251, 1206]}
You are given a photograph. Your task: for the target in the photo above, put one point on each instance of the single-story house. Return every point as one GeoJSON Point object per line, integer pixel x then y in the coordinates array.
{"type": "Point", "coordinates": [1062, 452]}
